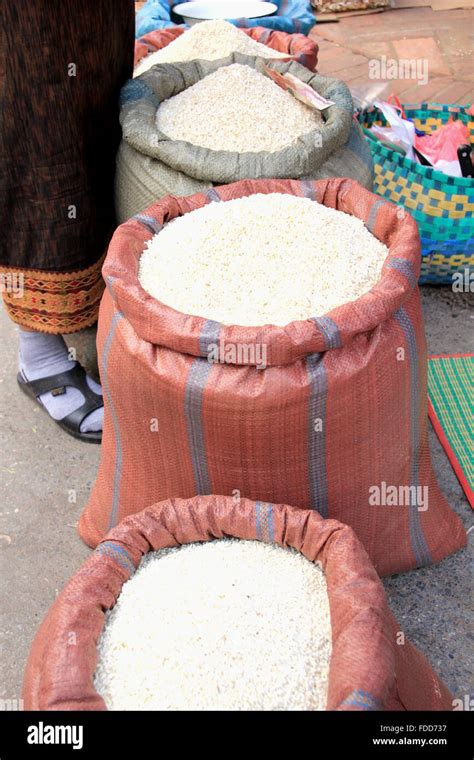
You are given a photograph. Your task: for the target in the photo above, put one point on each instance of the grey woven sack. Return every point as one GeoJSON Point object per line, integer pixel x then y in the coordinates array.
{"type": "Point", "coordinates": [151, 165]}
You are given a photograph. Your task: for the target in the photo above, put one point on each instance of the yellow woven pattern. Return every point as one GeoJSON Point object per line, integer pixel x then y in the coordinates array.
{"type": "Point", "coordinates": [401, 188]}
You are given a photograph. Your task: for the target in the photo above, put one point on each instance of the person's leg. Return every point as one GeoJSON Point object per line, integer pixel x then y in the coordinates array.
{"type": "Point", "coordinates": [63, 64]}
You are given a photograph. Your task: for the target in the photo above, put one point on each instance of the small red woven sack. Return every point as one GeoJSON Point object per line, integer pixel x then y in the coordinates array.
{"type": "Point", "coordinates": [299, 47]}
{"type": "Point", "coordinates": [369, 669]}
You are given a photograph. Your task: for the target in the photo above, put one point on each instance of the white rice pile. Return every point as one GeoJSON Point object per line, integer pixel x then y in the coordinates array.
{"type": "Point", "coordinates": [224, 625]}
{"type": "Point", "coordinates": [236, 108]}
{"type": "Point", "coordinates": [207, 41]}
{"type": "Point", "coordinates": [262, 259]}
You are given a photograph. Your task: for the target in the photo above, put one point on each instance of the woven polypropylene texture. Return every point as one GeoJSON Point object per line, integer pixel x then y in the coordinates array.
{"type": "Point", "coordinates": [442, 206]}
{"type": "Point", "coordinates": [151, 165]}
{"type": "Point", "coordinates": [298, 46]}
{"type": "Point", "coordinates": [451, 410]}
{"type": "Point", "coordinates": [369, 669]}
{"type": "Point", "coordinates": [339, 410]}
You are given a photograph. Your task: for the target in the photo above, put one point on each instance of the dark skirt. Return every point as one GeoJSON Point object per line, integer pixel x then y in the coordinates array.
{"type": "Point", "coordinates": [62, 64]}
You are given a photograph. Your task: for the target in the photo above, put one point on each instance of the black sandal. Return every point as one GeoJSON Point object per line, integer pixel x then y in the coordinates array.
{"type": "Point", "coordinates": [56, 384]}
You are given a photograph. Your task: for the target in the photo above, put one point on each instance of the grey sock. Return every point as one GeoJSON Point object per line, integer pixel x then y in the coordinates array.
{"type": "Point", "coordinates": [42, 355]}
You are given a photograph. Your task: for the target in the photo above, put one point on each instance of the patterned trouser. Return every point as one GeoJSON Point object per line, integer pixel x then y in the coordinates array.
{"type": "Point", "coordinates": [62, 64]}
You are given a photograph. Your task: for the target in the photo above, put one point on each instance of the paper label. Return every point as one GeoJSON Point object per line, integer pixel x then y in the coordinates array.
{"type": "Point", "coordinates": [301, 91]}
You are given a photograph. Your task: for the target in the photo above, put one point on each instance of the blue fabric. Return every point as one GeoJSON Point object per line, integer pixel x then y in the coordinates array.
{"type": "Point", "coordinates": [293, 16]}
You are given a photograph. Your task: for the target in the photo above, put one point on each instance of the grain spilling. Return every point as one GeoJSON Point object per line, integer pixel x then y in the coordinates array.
{"type": "Point", "coordinates": [236, 109]}
{"type": "Point", "coordinates": [207, 41]}
{"type": "Point", "coordinates": [223, 625]}
{"type": "Point", "coordinates": [261, 259]}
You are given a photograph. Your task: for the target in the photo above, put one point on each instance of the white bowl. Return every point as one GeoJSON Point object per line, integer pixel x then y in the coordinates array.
{"type": "Point", "coordinates": [205, 10]}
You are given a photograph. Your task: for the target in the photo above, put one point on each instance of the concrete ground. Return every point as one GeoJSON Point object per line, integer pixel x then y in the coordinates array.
{"type": "Point", "coordinates": [46, 477]}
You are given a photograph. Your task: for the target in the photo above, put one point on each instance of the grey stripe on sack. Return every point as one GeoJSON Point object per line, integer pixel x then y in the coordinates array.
{"type": "Point", "coordinates": [330, 331]}
{"type": "Point", "coordinates": [118, 440]}
{"type": "Point", "coordinates": [264, 526]}
{"type": "Point", "coordinates": [195, 386]}
{"type": "Point", "coordinates": [370, 224]}
{"type": "Point", "coordinates": [405, 267]}
{"type": "Point", "coordinates": [209, 336]}
{"type": "Point", "coordinates": [419, 545]}
{"type": "Point", "coordinates": [317, 434]}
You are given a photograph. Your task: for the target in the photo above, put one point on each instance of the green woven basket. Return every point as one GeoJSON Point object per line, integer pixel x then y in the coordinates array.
{"type": "Point", "coordinates": [443, 206]}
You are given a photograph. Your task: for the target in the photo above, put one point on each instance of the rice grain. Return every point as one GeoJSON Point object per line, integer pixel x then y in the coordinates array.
{"type": "Point", "coordinates": [261, 259]}
{"type": "Point", "coordinates": [223, 625]}
{"type": "Point", "coordinates": [208, 41]}
{"type": "Point", "coordinates": [236, 109]}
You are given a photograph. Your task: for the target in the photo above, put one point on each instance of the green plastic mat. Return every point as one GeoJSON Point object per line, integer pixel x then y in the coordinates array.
{"type": "Point", "coordinates": [451, 411]}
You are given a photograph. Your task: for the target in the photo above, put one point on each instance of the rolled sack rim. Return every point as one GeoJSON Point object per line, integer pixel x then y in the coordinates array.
{"type": "Point", "coordinates": [61, 677]}
{"type": "Point", "coordinates": [161, 325]}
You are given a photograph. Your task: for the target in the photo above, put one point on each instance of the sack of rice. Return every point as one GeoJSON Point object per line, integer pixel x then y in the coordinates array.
{"type": "Point", "coordinates": [215, 102]}
{"type": "Point", "coordinates": [298, 621]}
{"type": "Point", "coordinates": [281, 356]}
{"type": "Point", "coordinates": [211, 40]}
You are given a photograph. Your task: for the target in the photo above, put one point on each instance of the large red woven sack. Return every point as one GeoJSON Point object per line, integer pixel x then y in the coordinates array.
{"type": "Point", "coordinates": [340, 409]}
{"type": "Point", "coordinates": [299, 47]}
{"type": "Point", "coordinates": [371, 667]}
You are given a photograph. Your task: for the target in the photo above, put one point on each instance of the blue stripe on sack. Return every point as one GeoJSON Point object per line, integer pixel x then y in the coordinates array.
{"type": "Point", "coordinates": [317, 438]}
{"type": "Point", "coordinates": [212, 195]}
{"type": "Point", "coordinates": [362, 699]}
{"type": "Point", "coordinates": [404, 267]}
{"type": "Point", "coordinates": [271, 524]}
{"type": "Point", "coordinates": [258, 526]}
{"type": "Point", "coordinates": [370, 224]}
{"type": "Point", "coordinates": [264, 522]}
{"type": "Point", "coordinates": [330, 330]}
{"type": "Point", "coordinates": [149, 222]}
{"type": "Point", "coordinates": [195, 385]}
{"type": "Point", "coordinates": [418, 542]}
{"type": "Point", "coordinates": [117, 553]}
{"type": "Point", "coordinates": [265, 34]}
{"type": "Point", "coordinates": [209, 335]}
{"type": "Point", "coordinates": [109, 281]}
{"type": "Point", "coordinates": [308, 189]}
{"type": "Point", "coordinates": [134, 89]}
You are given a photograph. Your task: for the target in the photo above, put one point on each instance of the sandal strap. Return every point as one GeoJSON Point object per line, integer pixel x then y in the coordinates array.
{"type": "Point", "coordinates": [74, 378]}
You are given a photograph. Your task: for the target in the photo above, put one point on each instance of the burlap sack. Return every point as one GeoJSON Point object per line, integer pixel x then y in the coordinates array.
{"type": "Point", "coordinates": [337, 416]}
{"type": "Point", "coordinates": [300, 48]}
{"type": "Point", "coordinates": [150, 165]}
{"type": "Point", "coordinates": [370, 669]}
